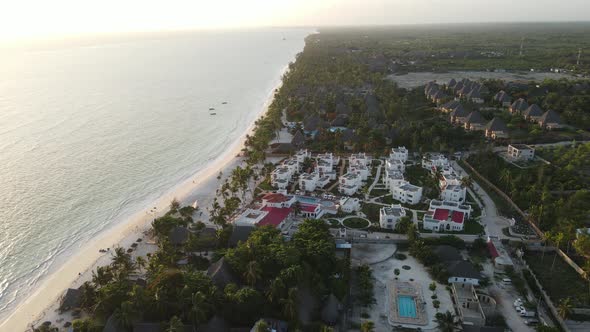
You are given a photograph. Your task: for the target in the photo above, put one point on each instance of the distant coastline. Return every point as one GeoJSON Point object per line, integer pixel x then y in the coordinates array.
{"type": "Point", "coordinates": [42, 303]}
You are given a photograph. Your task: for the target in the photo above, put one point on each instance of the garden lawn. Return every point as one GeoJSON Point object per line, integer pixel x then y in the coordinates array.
{"type": "Point", "coordinates": [356, 223]}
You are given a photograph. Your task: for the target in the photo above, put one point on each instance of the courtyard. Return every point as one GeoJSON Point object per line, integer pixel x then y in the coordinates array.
{"type": "Point", "coordinates": [392, 275]}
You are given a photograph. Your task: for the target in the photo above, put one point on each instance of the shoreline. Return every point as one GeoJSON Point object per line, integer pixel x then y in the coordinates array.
{"type": "Point", "coordinates": [40, 305]}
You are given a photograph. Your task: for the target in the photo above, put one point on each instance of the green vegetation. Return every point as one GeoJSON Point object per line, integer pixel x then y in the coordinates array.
{"type": "Point", "coordinates": [356, 223]}
{"type": "Point", "coordinates": [365, 281]}
{"type": "Point", "coordinates": [419, 176]}
{"type": "Point", "coordinates": [268, 273]}
{"type": "Point", "coordinates": [560, 281]}
{"type": "Point", "coordinates": [555, 195]}
{"type": "Point", "coordinates": [372, 212]}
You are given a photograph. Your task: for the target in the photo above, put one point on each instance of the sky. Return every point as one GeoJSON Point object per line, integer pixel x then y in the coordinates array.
{"type": "Point", "coordinates": [43, 18]}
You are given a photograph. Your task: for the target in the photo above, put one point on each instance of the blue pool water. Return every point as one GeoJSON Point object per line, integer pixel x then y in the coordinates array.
{"type": "Point", "coordinates": [309, 200]}
{"type": "Point", "coordinates": [406, 306]}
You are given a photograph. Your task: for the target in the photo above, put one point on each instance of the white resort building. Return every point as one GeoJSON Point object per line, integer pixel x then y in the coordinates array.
{"type": "Point", "coordinates": [521, 152]}
{"type": "Point", "coordinates": [434, 160]}
{"type": "Point", "coordinates": [446, 216]}
{"type": "Point", "coordinates": [453, 193]}
{"type": "Point", "coordinates": [280, 177]}
{"type": "Point", "coordinates": [389, 216]}
{"type": "Point", "coordinates": [400, 153]}
{"type": "Point", "coordinates": [350, 204]}
{"type": "Point", "coordinates": [407, 193]}
{"type": "Point", "coordinates": [350, 183]}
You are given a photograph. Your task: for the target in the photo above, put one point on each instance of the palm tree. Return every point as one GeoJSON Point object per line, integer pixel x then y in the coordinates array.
{"type": "Point", "coordinates": [564, 310]}
{"type": "Point", "coordinates": [290, 304]}
{"type": "Point", "coordinates": [253, 272]}
{"type": "Point", "coordinates": [276, 289]}
{"type": "Point", "coordinates": [102, 275]}
{"type": "Point", "coordinates": [125, 314]}
{"type": "Point", "coordinates": [262, 326]}
{"type": "Point", "coordinates": [297, 208]}
{"type": "Point", "coordinates": [586, 269]}
{"type": "Point", "coordinates": [506, 177]}
{"type": "Point", "coordinates": [140, 263]}
{"type": "Point", "coordinates": [557, 238]}
{"type": "Point", "coordinates": [121, 260]}
{"type": "Point", "coordinates": [466, 181]}
{"type": "Point", "coordinates": [175, 325]}
{"type": "Point", "coordinates": [198, 308]}
{"type": "Point", "coordinates": [446, 322]}
{"type": "Point", "coordinates": [367, 326]}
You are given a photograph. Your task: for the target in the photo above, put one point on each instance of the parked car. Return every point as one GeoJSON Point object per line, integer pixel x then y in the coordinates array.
{"type": "Point", "coordinates": [531, 322]}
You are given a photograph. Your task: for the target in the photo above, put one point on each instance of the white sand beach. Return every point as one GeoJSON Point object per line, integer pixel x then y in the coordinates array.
{"type": "Point", "coordinates": [42, 305]}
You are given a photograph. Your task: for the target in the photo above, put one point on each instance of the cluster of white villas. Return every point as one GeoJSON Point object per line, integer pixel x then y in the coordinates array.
{"type": "Point", "coordinates": [447, 214]}
{"type": "Point", "coordinates": [309, 180]}
{"type": "Point", "coordinates": [449, 180]}
{"type": "Point", "coordinates": [400, 189]}
{"type": "Point", "coordinates": [358, 172]}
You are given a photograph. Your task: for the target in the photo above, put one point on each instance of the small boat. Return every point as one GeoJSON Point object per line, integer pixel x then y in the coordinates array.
{"type": "Point", "coordinates": [212, 108]}
{"type": "Point", "coordinates": [225, 102]}
{"type": "Point", "coordinates": [212, 113]}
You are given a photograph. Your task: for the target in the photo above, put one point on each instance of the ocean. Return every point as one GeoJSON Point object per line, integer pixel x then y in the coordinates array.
{"type": "Point", "coordinates": [93, 130]}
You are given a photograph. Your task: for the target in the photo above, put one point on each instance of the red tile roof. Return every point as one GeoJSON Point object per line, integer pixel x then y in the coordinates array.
{"type": "Point", "coordinates": [493, 250]}
{"type": "Point", "coordinates": [441, 214]}
{"type": "Point", "coordinates": [275, 198]}
{"type": "Point", "coordinates": [457, 217]}
{"type": "Point", "coordinates": [308, 207]}
{"type": "Point", "coordinates": [274, 217]}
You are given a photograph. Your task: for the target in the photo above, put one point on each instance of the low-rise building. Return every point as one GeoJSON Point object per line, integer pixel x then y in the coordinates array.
{"type": "Point", "coordinates": [503, 98]}
{"type": "Point", "coordinates": [521, 152]}
{"type": "Point", "coordinates": [359, 159]}
{"type": "Point", "coordinates": [459, 115]}
{"type": "Point", "coordinates": [389, 216]}
{"type": "Point", "coordinates": [550, 120]}
{"type": "Point", "coordinates": [362, 170]}
{"type": "Point", "coordinates": [393, 179]}
{"type": "Point", "coordinates": [394, 165]}
{"type": "Point", "coordinates": [500, 256]}
{"type": "Point", "coordinates": [301, 155]}
{"type": "Point", "coordinates": [454, 193]}
{"type": "Point", "coordinates": [309, 181]}
{"type": "Point", "coordinates": [496, 128]}
{"type": "Point", "coordinates": [280, 177]}
{"type": "Point", "coordinates": [400, 153]}
{"type": "Point", "coordinates": [250, 217]}
{"type": "Point", "coordinates": [518, 106]}
{"type": "Point", "coordinates": [407, 193]}
{"type": "Point", "coordinates": [434, 160]}
{"type": "Point", "coordinates": [533, 113]}
{"type": "Point", "coordinates": [446, 216]}
{"type": "Point", "coordinates": [350, 204]}
{"type": "Point", "coordinates": [474, 121]}
{"type": "Point", "coordinates": [467, 302]}
{"type": "Point", "coordinates": [349, 183]}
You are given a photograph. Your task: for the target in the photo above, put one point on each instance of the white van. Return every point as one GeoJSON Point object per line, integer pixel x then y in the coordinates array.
{"type": "Point", "coordinates": [507, 281]}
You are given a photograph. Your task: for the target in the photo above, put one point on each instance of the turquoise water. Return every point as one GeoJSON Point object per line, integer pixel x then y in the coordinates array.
{"type": "Point", "coordinates": [406, 306]}
{"type": "Point", "coordinates": [309, 200]}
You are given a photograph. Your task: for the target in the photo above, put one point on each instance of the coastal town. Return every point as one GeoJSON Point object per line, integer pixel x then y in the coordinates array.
{"type": "Point", "coordinates": [359, 205]}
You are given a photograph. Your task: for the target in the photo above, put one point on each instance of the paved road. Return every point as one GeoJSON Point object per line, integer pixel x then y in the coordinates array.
{"type": "Point", "coordinates": [505, 299]}
{"type": "Point", "coordinates": [493, 223]}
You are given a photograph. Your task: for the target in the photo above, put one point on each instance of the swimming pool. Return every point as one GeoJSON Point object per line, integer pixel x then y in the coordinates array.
{"type": "Point", "coordinates": [309, 200]}
{"type": "Point", "coordinates": [406, 306]}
